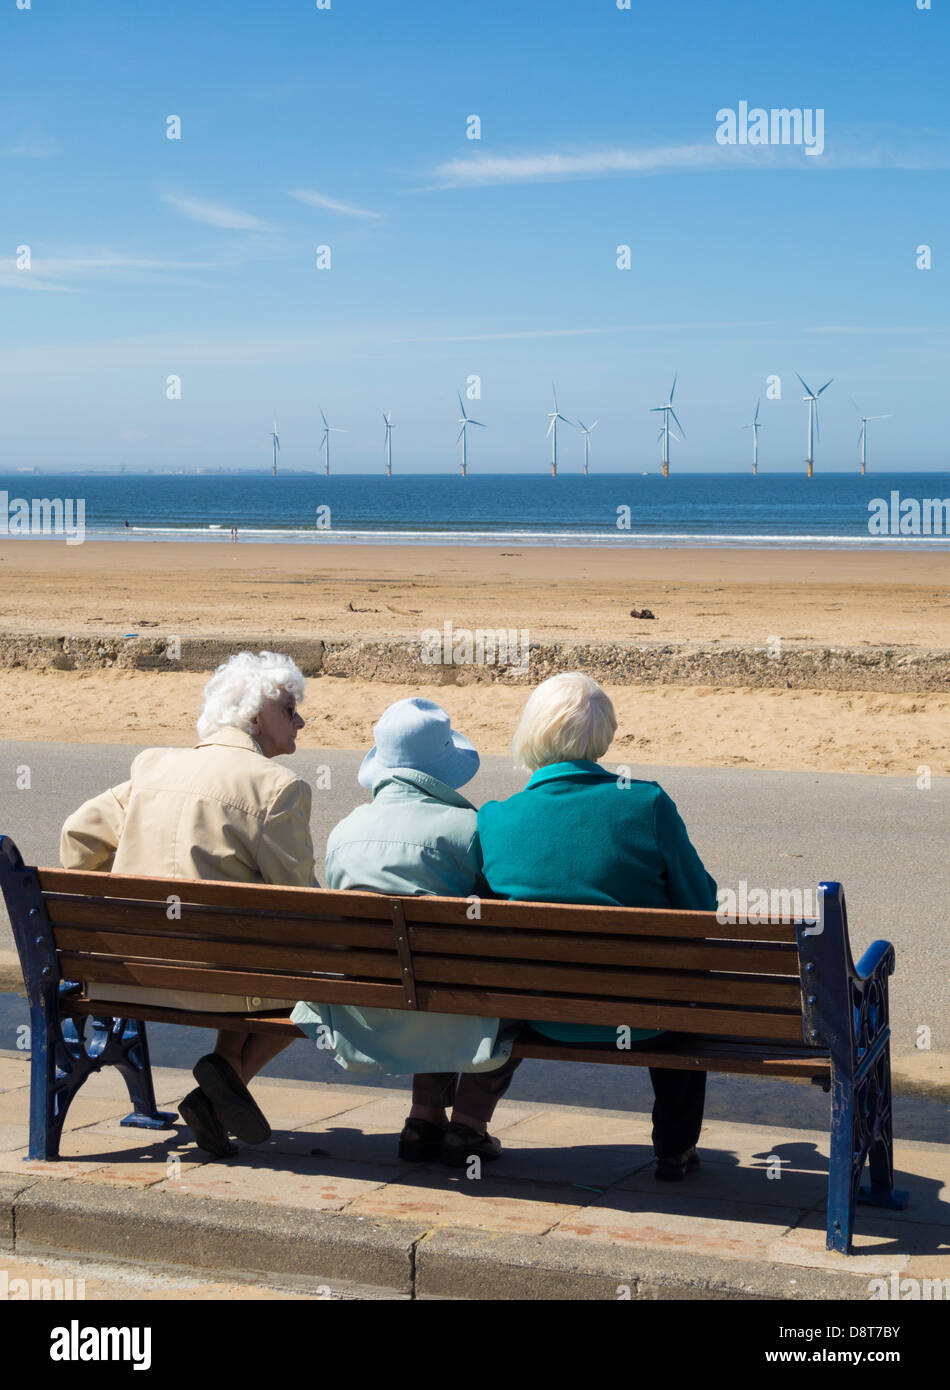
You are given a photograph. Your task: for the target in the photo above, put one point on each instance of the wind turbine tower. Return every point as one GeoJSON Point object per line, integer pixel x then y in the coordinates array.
{"type": "Point", "coordinates": [328, 429]}
{"type": "Point", "coordinates": [464, 422]}
{"type": "Point", "coordinates": [276, 440]}
{"type": "Point", "coordinates": [554, 416]}
{"type": "Point", "coordinates": [667, 412]}
{"type": "Point", "coordinates": [388, 443]}
{"type": "Point", "coordinates": [813, 430]}
{"type": "Point", "coordinates": [863, 436]}
{"type": "Point", "coordinates": [587, 433]}
{"type": "Point", "coordinates": [754, 426]}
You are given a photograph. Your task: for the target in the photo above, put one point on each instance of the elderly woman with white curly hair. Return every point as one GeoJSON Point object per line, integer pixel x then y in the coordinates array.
{"type": "Point", "coordinates": [578, 833]}
{"type": "Point", "coordinates": [220, 810]}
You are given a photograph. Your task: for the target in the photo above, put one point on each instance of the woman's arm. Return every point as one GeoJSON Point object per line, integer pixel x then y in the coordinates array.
{"type": "Point", "coordinates": [91, 835]}
{"type": "Point", "coordinates": [285, 850]}
{"type": "Point", "coordinates": [689, 884]}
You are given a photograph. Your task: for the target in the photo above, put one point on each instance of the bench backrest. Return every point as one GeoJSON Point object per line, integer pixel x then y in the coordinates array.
{"type": "Point", "coordinates": [642, 967]}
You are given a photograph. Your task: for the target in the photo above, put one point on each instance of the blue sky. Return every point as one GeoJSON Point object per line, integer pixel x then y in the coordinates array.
{"type": "Point", "coordinates": [452, 257]}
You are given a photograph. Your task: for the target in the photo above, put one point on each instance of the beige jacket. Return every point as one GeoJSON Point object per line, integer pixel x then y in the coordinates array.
{"type": "Point", "coordinates": [220, 810]}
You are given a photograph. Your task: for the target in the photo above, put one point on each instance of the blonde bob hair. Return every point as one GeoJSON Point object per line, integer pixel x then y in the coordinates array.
{"type": "Point", "coordinates": [567, 718]}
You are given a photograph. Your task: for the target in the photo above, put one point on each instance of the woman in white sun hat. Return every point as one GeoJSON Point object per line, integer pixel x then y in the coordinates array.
{"type": "Point", "coordinates": [418, 836]}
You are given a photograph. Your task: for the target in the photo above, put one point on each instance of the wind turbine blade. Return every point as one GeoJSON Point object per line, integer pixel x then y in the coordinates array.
{"type": "Point", "coordinates": [673, 387]}
{"type": "Point", "coordinates": [805, 384]}
{"type": "Point", "coordinates": [479, 424]}
{"type": "Point", "coordinates": [594, 425]}
{"type": "Point", "coordinates": [582, 425]}
{"type": "Point", "coordinates": [461, 406]}
{"type": "Point", "coordinates": [826, 385]}
{"type": "Point", "coordinates": [755, 418]}
{"type": "Point", "coordinates": [323, 417]}
{"type": "Point", "coordinates": [678, 425]}
{"type": "Point", "coordinates": [460, 433]}
{"type": "Point", "coordinates": [550, 426]}
{"type": "Point", "coordinates": [654, 409]}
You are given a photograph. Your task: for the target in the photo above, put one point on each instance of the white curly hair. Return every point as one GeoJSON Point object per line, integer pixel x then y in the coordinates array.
{"type": "Point", "coordinates": [242, 685]}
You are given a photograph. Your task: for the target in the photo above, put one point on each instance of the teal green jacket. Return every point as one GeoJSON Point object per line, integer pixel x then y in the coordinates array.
{"type": "Point", "coordinates": [416, 836]}
{"type": "Point", "coordinates": [579, 834]}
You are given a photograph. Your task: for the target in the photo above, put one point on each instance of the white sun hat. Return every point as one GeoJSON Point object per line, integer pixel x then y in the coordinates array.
{"type": "Point", "coordinates": [418, 734]}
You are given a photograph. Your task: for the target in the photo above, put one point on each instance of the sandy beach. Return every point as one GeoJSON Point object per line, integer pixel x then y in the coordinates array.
{"type": "Point", "coordinates": [715, 597]}
{"type": "Point", "coordinates": [579, 594]}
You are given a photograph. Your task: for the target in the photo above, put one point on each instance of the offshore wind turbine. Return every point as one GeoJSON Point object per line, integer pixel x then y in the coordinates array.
{"type": "Point", "coordinates": [276, 439]}
{"type": "Point", "coordinates": [813, 430]}
{"type": "Point", "coordinates": [754, 426]}
{"type": "Point", "coordinates": [667, 412]}
{"type": "Point", "coordinates": [464, 422]}
{"type": "Point", "coordinates": [328, 429]}
{"type": "Point", "coordinates": [863, 436]}
{"type": "Point", "coordinates": [587, 433]}
{"type": "Point", "coordinates": [388, 443]}
{"type": "Point", "coordinates": [554, 416]}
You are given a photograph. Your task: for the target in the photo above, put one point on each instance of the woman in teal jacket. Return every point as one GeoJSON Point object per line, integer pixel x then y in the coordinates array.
{"type": "Point", "coordinates": [580, 834]}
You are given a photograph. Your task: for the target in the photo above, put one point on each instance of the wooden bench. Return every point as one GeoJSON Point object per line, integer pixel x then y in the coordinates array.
{"type": "Point", "coordinates": [776, 999]}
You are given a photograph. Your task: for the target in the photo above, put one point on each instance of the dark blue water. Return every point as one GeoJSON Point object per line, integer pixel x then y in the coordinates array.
{"type": "Point", "coordinates": [726, 509]}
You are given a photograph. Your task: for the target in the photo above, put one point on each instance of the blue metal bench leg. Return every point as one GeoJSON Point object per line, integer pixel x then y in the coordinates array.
{"type": "Point", "coordinates": [842, 1178]}
{"type": "Point", "coordinates": [882, 1192]}
{"type": "Point", "coordinates": [122, 1043]}
{"type": "Point", "coordinates": [58, 1068]}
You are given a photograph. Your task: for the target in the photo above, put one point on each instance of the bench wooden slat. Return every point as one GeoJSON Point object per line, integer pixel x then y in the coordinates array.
{"type": "Point", "coordinates": [591, 981]}
{"type": "Point", "coordinates": [646, 953]}
{"type": "Point", "coordinates": [724, 1022]}
{"type": "Point", "coordinates": [296, 960]}
{"type": "Point", "coordinates": [609, 920]}
{"type": "Point", "coordinates": [96, 970]}
{"type": "Point", "coordinates": [804, 1069]}
{"type": "Point", "coordinates": [201, 920]}
{"type": "Point", "coordinates": [317, 902]}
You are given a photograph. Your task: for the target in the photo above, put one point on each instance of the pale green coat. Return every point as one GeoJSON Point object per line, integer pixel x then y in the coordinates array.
{"type": "Point", "coordinates": [418, 836]}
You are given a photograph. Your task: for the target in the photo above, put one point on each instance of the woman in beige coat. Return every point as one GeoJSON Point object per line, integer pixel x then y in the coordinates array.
{"type": "Point", "coordinates": [220, 810]}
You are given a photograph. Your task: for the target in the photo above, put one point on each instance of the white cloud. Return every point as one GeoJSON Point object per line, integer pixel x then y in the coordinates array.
{"type": "Point", "coordinates": [855, 150]}
{"type": "Point", "coordinates": [319, 200]}
{"type": "Point", "coordinates": [216, 214]}
{"type": "Point", "coordinates": [47, 272]}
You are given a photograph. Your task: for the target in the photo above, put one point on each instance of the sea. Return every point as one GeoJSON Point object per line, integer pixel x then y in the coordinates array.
{"type": "Point", "coordinates": [617, 510]}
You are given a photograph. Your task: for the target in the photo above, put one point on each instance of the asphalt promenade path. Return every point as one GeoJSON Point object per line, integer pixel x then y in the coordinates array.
{"type": "Point", "coordinates": [884, 838]}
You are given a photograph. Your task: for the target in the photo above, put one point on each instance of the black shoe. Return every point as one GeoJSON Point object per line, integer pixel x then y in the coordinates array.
{"type": "Point", "coordinates": [675, 1167]}
{"type": "Point", "coordinates": [198, 1114]}
{"type": "Point", "coordinates": [233, 1103]}
{"type": "Point", "coordinates": [461, 1143]}
{"type": "Point", "coordinates": [420, 1141]}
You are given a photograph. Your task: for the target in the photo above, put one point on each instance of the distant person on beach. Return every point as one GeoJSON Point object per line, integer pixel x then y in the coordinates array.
{"type": "Point", "coordinates": [418, 836]}
{"type": "Point", "coordinates": [220, 810]}
{"type": "Point", "coordinates": [579, 834]}
{"type": "Point", "coordinates": [234, 535]}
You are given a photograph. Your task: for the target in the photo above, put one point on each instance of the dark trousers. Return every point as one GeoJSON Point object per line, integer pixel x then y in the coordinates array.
{"type": "Point", "coordinates": [471, 1093]}
{"type": "Point", "coordinates": [677, 1110]}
